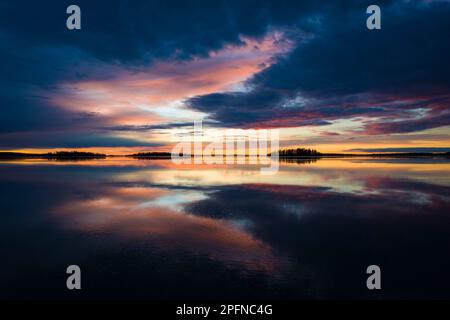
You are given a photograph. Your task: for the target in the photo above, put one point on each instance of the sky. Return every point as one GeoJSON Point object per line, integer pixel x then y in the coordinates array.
{"type": "Point", "coordinates": [138, 71]}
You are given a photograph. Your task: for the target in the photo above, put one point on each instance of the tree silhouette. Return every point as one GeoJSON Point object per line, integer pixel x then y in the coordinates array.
{"type": "Point", "coordinates": [299, 152]}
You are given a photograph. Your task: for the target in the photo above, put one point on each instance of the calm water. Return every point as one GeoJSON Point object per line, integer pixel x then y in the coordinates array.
{"type": "Point", "coordinates": [150, 229]}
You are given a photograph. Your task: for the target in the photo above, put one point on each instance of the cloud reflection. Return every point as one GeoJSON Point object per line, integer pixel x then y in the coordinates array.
{"type": "Point", "coordinates": [309, 231]}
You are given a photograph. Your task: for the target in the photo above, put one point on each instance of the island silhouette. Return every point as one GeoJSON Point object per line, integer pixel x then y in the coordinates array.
{"type": "Point", "coordinates": [58, 155]}
{"type": "Point", "coordinates": [290, 153]}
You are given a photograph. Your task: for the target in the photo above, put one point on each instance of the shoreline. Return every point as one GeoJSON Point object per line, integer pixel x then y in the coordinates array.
{"type": "Point", "coordinates": [84, 156]}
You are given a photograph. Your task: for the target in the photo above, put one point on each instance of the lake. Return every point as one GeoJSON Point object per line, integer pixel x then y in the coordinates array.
{"type": "Point", "coordinates": [153, 229]}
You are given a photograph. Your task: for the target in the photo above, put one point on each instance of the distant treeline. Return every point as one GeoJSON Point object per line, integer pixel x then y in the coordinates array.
{"type": "Point", "coordinates": [18, 155]}
{"type": "Point", "coordinates": [59, 155]}
{"type": "Point", "coordinates": [283, 154]}
{"type": "Point", "coordinates": [299, 152]}
{"type": "Point", "coordinates": [152, 155]}
{"type": "Point", "coordinates": [74, 155]}
{"type": "Point", "coordinates": [311, 153]}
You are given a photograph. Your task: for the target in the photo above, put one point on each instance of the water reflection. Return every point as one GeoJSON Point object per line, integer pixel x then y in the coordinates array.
{"type": "Point", "coordinates": [148, 228]}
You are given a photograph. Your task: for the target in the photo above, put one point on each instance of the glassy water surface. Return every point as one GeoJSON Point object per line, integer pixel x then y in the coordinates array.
{"type": "Point", "coordinates": [152, 229]}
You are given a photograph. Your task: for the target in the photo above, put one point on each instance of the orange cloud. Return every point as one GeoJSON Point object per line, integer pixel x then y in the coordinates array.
{"type": "Point", "coordinates": [136, 213]}
{"type": "Point", "coordinates": [155, 94]}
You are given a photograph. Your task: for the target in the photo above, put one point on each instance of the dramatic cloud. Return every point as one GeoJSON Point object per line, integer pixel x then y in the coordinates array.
{"type": "Point", "coordinates": [154, 65]}
{"type": "Point", "coordinates": [345, 70]}
{"type": "Point", "coordinates": [130, 65]}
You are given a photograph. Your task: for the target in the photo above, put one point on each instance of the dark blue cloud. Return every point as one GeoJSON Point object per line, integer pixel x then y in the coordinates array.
{"type": "Point", "coordinates": [134, 32]}
{"type": "Point", "coordinates": [26, 113]}
{"type": "Point", "coordinates": [68, 139]}
{"type": "Point", "coordinates": [347, 70]}
{"type": "Point", "coordinates": [336, 59]}
{"type": "Point", "coordinates": [38, 51]}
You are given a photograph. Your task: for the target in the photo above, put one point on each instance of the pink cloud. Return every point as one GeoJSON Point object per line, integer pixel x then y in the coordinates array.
{"type": "Point", "coordinates": [154, 94]}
